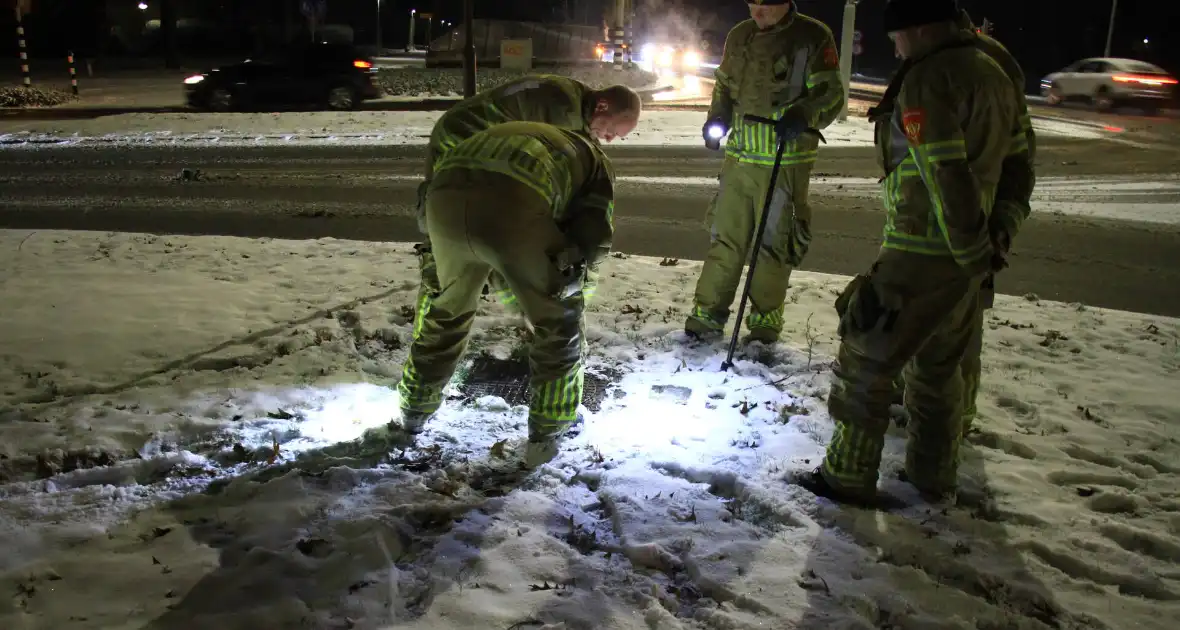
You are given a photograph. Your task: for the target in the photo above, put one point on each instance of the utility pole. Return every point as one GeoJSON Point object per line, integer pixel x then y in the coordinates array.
{"type": "Point", "coordinates": [468, 48]}
{"type": "Point", "coordinates": [1114, 7]}
{"type": "Point", "coordinates": [846, 44]}
{"type": "Point", "coordinates": [378, 27]}
{"type": "Point", "coordinates": [618, 32]}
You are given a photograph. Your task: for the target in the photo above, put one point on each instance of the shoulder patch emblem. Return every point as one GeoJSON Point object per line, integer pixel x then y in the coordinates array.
{"type": "Point", "coordinates": [913, 121]}
{"type": "Point", "coordinates": [831, 57]}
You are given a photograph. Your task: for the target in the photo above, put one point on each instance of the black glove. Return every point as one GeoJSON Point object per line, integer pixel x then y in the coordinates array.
{"type": "Point", "coordinates": [713, 131]}
{"type": "Point", "coordinates": [792, 124]}
{"type": "Point", "coordinates": [1001, 243]}
{"type": "Point", "coordinates": [571, 262]}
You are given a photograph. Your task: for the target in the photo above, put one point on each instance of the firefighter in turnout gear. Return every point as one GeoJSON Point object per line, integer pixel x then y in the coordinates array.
{"type": "Point", "coordinates": [604, 114]}
{"type": "Point", "coordinates": [1012, 206]}
{"type": "Point", "coordinates": [534, 204]}
{"type": "Point", "coordinates": [780, 65]}
{"type": "Point", "coordinates": [943, 144]}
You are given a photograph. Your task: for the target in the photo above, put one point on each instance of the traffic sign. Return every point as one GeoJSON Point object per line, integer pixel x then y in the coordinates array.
{"type": "Point", "coordinates": [856, 36]}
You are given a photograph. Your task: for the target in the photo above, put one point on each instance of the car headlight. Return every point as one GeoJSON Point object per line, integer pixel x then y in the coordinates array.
{"type": "Point", "coordinates": [666, 57]}
{"type": "Point", "coordinates": [195, 79]}
{"type": "Point", "coordinates": [692, 59]}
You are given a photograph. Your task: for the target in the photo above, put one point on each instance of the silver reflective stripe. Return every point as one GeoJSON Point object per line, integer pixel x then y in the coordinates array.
{"type": "Point", "coordinates": [779, 198]}
{"type": "Point", "coordinates": [798, 75]}
{"type": "Point", "coordinates": [899, 145]}
{"type": "Point", "coordinates": [522, 86]}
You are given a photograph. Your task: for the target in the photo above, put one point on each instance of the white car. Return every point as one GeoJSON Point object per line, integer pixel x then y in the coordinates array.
{"type": "Point", "coordinates": [1109, 81]}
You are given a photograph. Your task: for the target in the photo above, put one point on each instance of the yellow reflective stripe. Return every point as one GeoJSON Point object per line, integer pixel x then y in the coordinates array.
{"type": "Point", "coordinates": [934, 152]}
{"type": "Point", "coordinates": [528, 161]}
{"type": "Point", "coordinates": [755, 139]}
{"type": "Point", "coordinates": [554, 403]}
{"type": "Point", "coordinates": [803, 157]}
{"type": "Point", "coordinates": [925, 250]}
{"type": "Point", "coordinates": [925, 163]}
{"type": "Point", "coordinates": [815, 78]}
{"type": "Point", "coordinates": [504, 168]}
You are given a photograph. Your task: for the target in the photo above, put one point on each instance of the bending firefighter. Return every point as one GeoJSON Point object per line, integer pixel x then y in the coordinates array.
{"type": "Point", "coordinates": [944, 146]}
{"type": "Point", "coordinates": [779, 65]}
{"type": "Point", "coordinates": [1012, 205]}
{"type": "Point", "coordinates": [534, 204]}
{"type": "Point", "coordinates": [604, 114]}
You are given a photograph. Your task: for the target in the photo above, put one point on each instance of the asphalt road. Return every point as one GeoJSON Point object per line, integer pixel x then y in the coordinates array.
{"type": "Point", "coordinates": [367, 193]}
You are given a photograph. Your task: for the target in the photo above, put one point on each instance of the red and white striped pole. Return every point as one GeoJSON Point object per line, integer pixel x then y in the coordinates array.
{"type": "Point", "coordinates": [24, 52]}
{"type": "Point", "coordinates": [73, 74]}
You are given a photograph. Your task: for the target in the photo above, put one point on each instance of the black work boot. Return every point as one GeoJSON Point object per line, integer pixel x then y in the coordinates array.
{"type": "Point", "coordinates": [816, 483]}
{"type": "Point", "coordinates": [931, 495]}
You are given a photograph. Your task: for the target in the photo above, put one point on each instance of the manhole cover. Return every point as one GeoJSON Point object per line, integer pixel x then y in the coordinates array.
{"type": "Point", "coordinates": [509, 379]}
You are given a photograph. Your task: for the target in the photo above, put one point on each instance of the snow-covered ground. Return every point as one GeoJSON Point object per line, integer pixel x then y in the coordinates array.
{"type": "Point", "coordinates": [170, 409]}
{"type": "Point", "coordinates": [656, 128]}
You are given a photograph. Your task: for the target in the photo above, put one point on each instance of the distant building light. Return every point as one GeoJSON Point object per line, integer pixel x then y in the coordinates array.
{"type": "Point", "coordinates": [142, 6]}
{"type": "Point", "coordinates": [1145, 40]}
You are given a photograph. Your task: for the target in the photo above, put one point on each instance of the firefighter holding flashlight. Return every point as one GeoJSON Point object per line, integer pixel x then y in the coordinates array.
{"type": "Point", "coordinates": [780, 65]}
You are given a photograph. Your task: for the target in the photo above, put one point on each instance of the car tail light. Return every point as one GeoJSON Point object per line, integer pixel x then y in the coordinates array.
{"type": "Point", "coordinates": [1145, 79]}
{"type": "Point", "coordinates": [361, 63]}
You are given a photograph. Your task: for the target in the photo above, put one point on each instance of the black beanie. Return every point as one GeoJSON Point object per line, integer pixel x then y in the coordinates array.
{"type": "Point", "coordinates": [767, 3]}
{"type": "Point", "coordinates": [903, 14]}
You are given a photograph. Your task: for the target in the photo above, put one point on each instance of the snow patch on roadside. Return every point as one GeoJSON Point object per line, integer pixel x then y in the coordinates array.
{"type": "Point", "coordinates": [189, 473]}
{"type": "Point", "coordinates": [656, 128]}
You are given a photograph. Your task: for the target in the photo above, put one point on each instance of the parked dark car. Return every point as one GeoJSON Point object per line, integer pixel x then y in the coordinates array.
{"type": "Point", "coordinates": [328, 76]}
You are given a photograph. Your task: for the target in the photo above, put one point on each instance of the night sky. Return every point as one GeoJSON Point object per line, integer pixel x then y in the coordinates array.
{"type": "Point", "coordinates": [1045, 35]}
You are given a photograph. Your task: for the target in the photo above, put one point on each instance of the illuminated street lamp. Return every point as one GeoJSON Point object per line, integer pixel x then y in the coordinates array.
{"type": "Point", "coordinates": [410, 43]}
{"type": "Point", "coordinates": [378, 27]}
{"type": "Point", "coordinates": [142, 6]}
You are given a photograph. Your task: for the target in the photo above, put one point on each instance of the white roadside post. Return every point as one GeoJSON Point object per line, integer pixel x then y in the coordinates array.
{"type": "Point", "coordinates": [846, 44]}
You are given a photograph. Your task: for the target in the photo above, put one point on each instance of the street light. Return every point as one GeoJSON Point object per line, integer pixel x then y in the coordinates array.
{"type": "Point", "coordinates": [378, 27]}
{"type": "Point", "coordinates": [142, 6]}
{"type": "Point", "coordinates": [410, 43]}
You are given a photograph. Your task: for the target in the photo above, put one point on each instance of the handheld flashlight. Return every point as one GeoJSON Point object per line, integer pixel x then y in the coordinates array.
{"type": "Point", "coordinates": [716, 131]}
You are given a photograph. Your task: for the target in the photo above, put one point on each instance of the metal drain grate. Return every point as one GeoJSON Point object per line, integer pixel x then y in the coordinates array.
{"type": "Point", "coordinates": [509, 379]}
